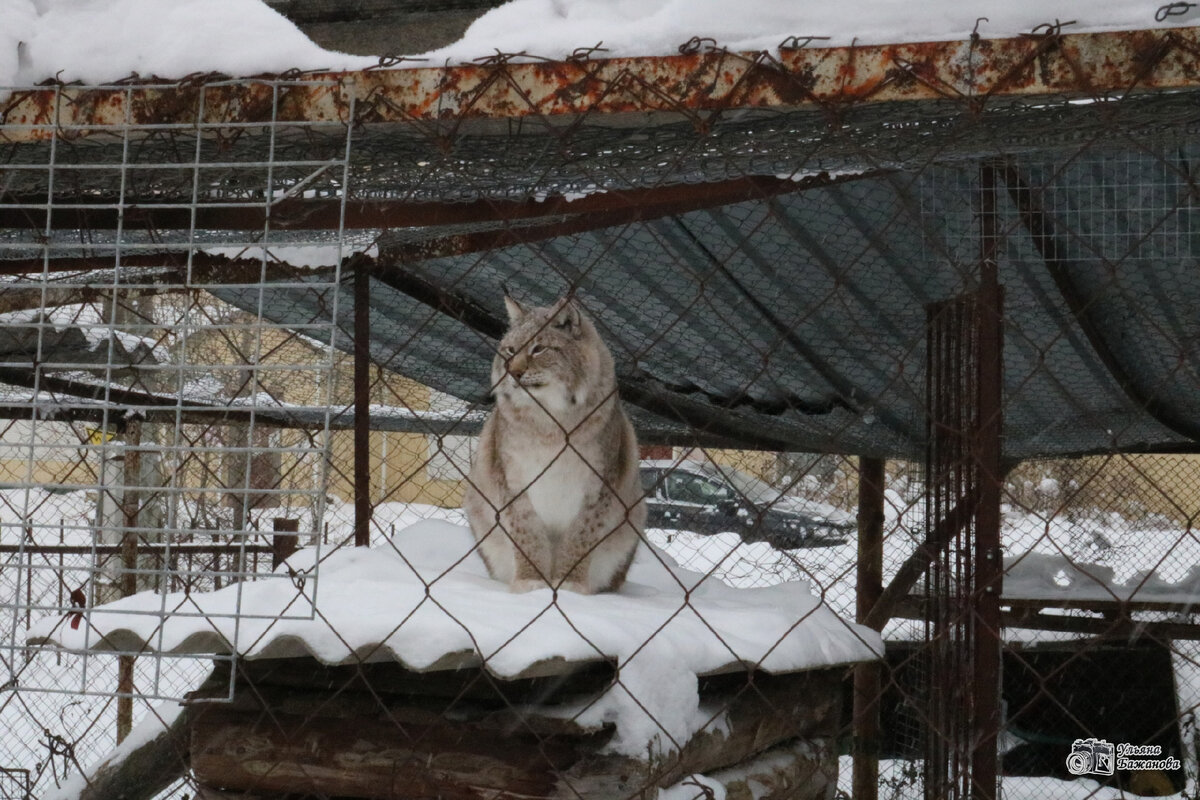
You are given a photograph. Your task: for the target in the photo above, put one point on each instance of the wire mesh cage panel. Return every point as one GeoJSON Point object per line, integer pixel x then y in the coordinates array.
{"type": "Point", "coordinates": [149, 444]}
{"type": "Point", "coordinates": [248, 325]}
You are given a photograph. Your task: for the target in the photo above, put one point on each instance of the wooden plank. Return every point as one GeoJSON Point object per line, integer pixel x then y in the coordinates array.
{"type": "Point", "coordinates": [339, 740]}
{"type": "Point", "coordinates": [398, 751]}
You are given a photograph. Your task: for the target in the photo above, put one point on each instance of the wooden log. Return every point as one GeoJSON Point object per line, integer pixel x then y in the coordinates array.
{"type": "Point", "coordinates": [138, 773]}
{"type": "Point", "coordinates": [802, 769]}
{"type": "Point", "coordinates": [758, 714]}
{"type": "Point", "coordinates": [396, 752]}
{"type": "Point", "coordinates": [340, 741]}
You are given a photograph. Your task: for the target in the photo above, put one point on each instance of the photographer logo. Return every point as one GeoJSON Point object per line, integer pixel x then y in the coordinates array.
{"type": "Point", "coordinates": [1091, 757]}
{"type": "Point", "coordinates": [1099, 757]}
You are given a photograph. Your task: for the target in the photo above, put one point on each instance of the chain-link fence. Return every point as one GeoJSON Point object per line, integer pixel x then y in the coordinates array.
{"type": "Point", "coordinates": [319, 393]}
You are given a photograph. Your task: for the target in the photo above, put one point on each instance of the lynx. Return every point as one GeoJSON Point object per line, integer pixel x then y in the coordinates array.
{"type": "Point", "coordinates": [554, 496]}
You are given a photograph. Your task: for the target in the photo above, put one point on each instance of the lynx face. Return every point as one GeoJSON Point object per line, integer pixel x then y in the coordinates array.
{"type": "Point", "coordinates": [545, 358]}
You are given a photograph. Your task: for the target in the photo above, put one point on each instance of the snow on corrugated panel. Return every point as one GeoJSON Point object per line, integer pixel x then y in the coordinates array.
{"type": "Point", "coordinates": [425, 600]}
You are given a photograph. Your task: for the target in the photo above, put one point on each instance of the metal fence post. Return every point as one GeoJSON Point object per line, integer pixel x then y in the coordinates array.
{"type": "Point", "coordinates": [362, 405]}
{"type": "Point", "coordinates": [131, 503]}
{"type": "Point", "coordinates": [988, 566]}
{"type": "Point", "coordinates": [868, 676]}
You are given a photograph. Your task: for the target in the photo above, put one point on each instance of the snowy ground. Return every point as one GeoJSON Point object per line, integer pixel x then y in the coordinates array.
{"type": "Point", "coordinates": [1110, 542]}
{"type": "Point", "coordinates": [1049, 556]}
{"type": "Point", "coordinates": [899, 780]}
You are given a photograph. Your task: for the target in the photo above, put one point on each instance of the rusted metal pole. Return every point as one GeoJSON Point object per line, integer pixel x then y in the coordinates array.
{"type": "Point", "coordinates": [1052, 63]}
{"type": "Point", "coordinates": [868, 676]}
{"type": "Point", "coordinates": [130, 503]}
{"type": "Point", "coordinates": [362, 405]}
{"type": "Point", "coordinates": [986, 718]}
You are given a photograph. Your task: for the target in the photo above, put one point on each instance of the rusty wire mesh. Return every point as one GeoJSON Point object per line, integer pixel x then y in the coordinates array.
{"type": "Point", "coordinates": [188, 371]}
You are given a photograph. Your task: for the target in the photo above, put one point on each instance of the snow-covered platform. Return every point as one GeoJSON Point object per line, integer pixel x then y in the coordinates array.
{"type": "Point", "coordinates": [676, 674]}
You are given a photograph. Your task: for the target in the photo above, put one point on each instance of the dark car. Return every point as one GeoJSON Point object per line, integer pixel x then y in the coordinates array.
{"type": "Point", "coordinates": [706, 498]}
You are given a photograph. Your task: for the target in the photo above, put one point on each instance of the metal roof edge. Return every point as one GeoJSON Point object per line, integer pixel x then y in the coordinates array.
{"type": "Point", "coordinates": [1046, 62]}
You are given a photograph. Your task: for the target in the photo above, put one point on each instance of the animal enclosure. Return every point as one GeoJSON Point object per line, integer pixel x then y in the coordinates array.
{"type": "Point", "coordinates": [909, 336]}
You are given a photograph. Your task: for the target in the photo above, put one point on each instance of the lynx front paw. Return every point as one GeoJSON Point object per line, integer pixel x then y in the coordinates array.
{"type": "Point", "coordinates": [522, 585]}
{"type": "Point", "coordinates": [579, 587]}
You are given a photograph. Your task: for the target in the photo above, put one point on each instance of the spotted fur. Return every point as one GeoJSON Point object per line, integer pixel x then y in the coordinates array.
{"type": "Point", "coordinates": [554, 496]}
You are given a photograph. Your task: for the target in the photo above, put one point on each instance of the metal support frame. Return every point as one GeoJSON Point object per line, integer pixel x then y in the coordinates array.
{"type": "Point", "coordinates": [868, 682]}
{"type": "Point", "coordinates": [131, 506]}
{"type": "Point", "coordinates": [362, 406]}
{"type": "Point", "coordinates": [988, 478]}
{"type": "Point", "coordinates": [963, 461]}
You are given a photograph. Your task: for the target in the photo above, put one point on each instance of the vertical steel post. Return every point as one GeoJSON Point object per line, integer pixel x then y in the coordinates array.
{"type": "Point", "coordinates": [362, 404]}
{"type": "Point", "coordinates": [868, 677]}
{"type": "Point", "coordinates": [131, 507]}
{"type": "Point", "coordinates": [988, 478]}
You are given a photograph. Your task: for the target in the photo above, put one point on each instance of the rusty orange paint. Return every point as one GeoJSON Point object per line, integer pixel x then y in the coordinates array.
{"type": "Point", "coordinates": [972, 71]}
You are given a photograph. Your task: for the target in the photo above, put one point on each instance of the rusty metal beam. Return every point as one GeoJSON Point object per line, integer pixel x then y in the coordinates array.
{"type": "Point", "coordinates": [609, 208]}
{"type": "Point", "coordinates": [175, 272]}
{"type": "Point", "coordinates": [625, 208]}
{"type": "Point", "coordinates": [689, 85]}
{"type": "Point", "coordinates": [868, 677]}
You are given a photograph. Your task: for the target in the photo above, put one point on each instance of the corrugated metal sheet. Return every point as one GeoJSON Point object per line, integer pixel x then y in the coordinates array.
{"type": "Point", "coordinates": [802, 316]}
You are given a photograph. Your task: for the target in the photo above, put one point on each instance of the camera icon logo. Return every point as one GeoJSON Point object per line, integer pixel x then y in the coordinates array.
{"type": "Point", "coordinates": [1091, 757]}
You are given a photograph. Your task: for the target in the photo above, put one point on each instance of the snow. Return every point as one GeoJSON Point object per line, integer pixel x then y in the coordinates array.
{"type": "Point", "coordinates": [896, 776]}
{"type": "Point", "coordinates": [97, 41]}
{"type": "Point", "coordinates": [1051, 576]}
{"type": "Point", "coordinates": [554, 28]}
{"type": "Point", "coordinates": [425, 600]}
{"type": "Point", "coordinates": [306, 255]}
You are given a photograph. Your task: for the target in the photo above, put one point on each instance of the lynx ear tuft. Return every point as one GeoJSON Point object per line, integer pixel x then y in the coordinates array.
{"type": "Point", "coordinates": [515, 310]}
{"type": "Point", "coordinates": [567, 317]}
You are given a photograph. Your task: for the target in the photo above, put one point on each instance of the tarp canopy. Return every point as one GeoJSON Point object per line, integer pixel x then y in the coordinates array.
{"type": "Point", "coordinates": [800, 319]}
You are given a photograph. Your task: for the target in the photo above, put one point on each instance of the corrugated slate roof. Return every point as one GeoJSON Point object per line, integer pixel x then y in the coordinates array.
{"type": "Point", "coordinates": [801, 318]}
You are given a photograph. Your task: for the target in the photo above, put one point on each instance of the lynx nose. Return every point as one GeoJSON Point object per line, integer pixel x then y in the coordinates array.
{"type": "Point", "coordinates": [516, 366]}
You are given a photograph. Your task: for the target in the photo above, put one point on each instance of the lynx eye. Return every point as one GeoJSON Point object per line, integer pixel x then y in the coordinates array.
{"type": "Point", "coordinates": [507, 352]}
{"type": "Point", "coordinates": [537, 350]}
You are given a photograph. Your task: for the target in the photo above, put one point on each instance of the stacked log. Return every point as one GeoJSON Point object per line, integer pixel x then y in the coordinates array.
{"type": "Point", "coordinates": [296, 727]}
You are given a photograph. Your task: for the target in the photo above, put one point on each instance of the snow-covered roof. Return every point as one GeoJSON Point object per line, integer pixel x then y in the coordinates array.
{"type": "Point", "coordinates": [663, 628]}
{"type": "Point", "coordinates": [1054, 580]}
{"type": "Point", "coordinates": [555, 28]}
{"type": "Point", "coordinates": [106, 40]}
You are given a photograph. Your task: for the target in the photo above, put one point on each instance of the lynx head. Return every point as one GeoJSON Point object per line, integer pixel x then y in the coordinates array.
{"type": "Point", "coordinates": [551, 357]}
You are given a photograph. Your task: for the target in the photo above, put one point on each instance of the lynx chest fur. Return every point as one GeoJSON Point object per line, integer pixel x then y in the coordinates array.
{"type": "Point", "coordinates": [560, 483]}
{"type": "Point", "coordinates": [554, 497]}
